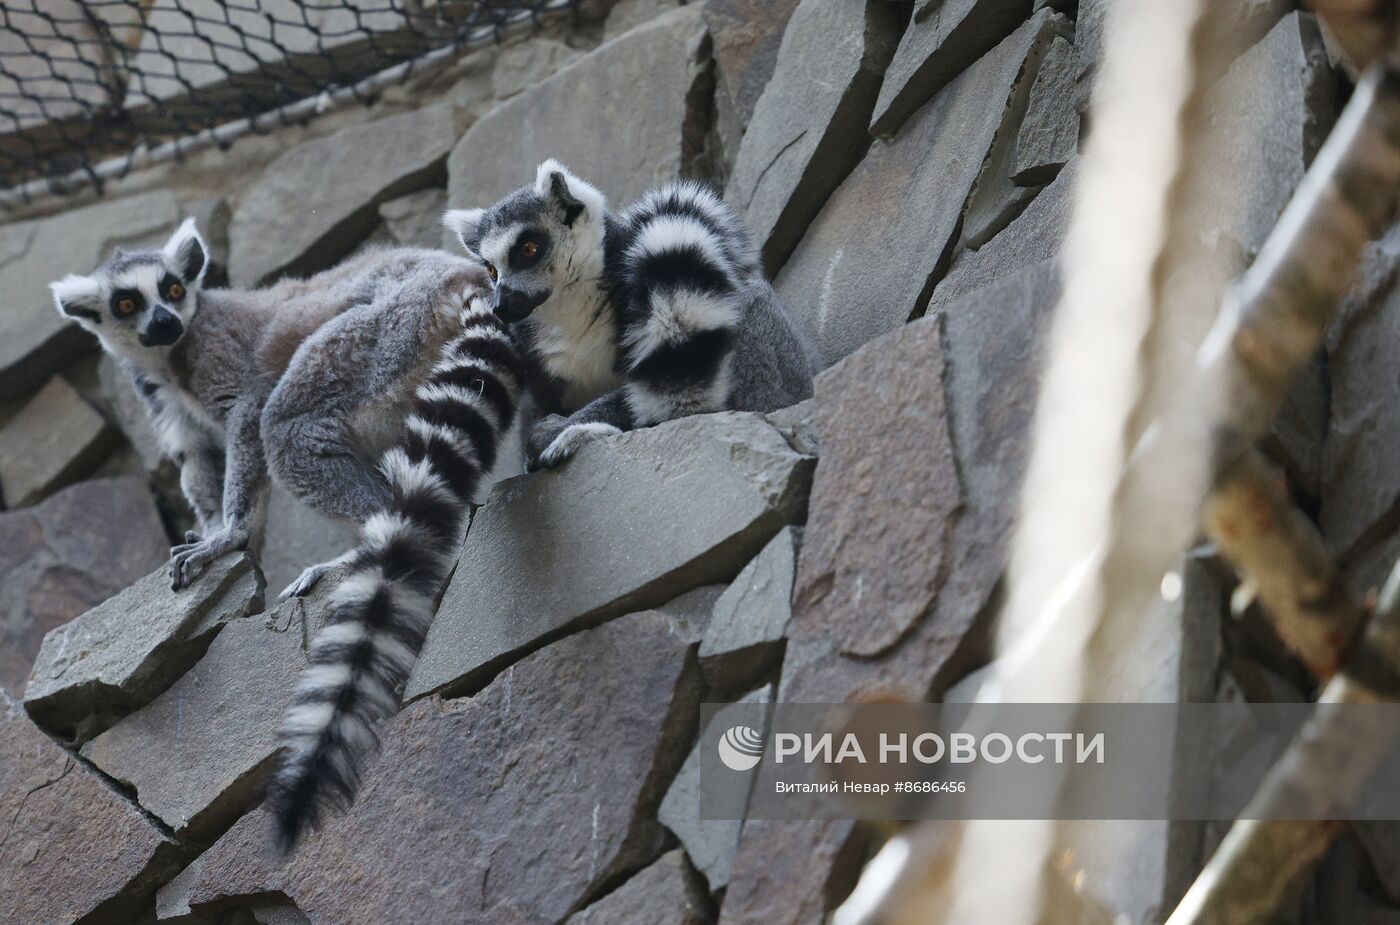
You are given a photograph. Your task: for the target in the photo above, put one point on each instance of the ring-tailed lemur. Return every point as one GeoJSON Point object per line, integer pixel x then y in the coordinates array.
{"type": "Point", "coordinates": [308, 380]}
{"type": "Point", "coordinates": [632, 319]}
{"type": "Point", "coordinates": [380, 613]}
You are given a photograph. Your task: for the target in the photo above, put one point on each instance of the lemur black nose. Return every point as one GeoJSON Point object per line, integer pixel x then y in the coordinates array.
{"type": "Point", "coordinates": [163, 329]}
{"type": "Point", "coordinates": [512, 305]}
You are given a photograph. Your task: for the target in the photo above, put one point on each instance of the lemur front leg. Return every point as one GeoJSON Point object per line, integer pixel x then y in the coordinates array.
{"type": "Point", "coordinates": [670, 380]}
{"type": "Point", "coordinates": [202, 481]}
{"type": "Point", "coordinates": [245, 487]}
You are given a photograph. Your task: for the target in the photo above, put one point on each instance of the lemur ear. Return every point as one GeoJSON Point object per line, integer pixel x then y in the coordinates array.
{"type": "Point", "coordinates": [466, 224]}
{"type": "Point", "coordinates": [572, 196]}
{"type": "Point", "coordinates": [78, 297]}
{"type": "Point", "coordinates": [187, 253]}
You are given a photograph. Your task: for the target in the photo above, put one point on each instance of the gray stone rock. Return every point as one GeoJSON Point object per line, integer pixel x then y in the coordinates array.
{"type": "Point", "coordinates": [997, 199]}
{"type": "Point", "coordinates": [415, 220]}
{"type": "Point", "coordinates": [122, 653]}
{"type": "Point", "coordinates": [73, 848]}
{"type": "Point", "coordinates": [196, 755]}
{"type": "Point", "coordinates": [1266, 118]}
{"type": "Point", "coordinates": [945, 37]}
{"type": "Point", "coordinates": [626, 15]}
{"type": "Point", "coordinates": [55, 440]}
{"type": "Point", "coordinates": [629, 522]}
{"type": "Point", "coordinates": [783, 867]}
{"type": "Point", "coordinates": [885, 494]}
{"type": "Point", "coordinates": [521, 66]}
{"type": "Point", "coordinates": [562, 760]}
{"type": "Point", "coordinates": [35, 341]}
{"type": "Point", "coordinates": [797, 423]}
{"type": "Point", "coordinates": [666, 893]}
{"type": "Point", "coordinates": [808, 127]}
{"type": "Point", "coordinates": [709, 843]}
{"type": "Point", "coordinates": [313, 204]}
{"type": "Point", "coordinates": [1049, 135]}
{"type": "Point", "coordinates": [295, 536]}
{"type": "Point", "coordinates": [647, 79]}
{"type": "Point", "coordinates": [1360, 485]}
{"type": "Point", "coordinates": [749, 625]}
{"type": "Point", "coordinates": [747, 35]}
{"type": "Point", "coordinates": [1037, 234]}
{"type": "Point", "coordinates": [68, 554]}
{"type": "Point", "coordinates": [846, 280]}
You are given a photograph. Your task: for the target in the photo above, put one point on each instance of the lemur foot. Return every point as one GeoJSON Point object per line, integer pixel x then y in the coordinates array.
{"type": "Point", "coordinates": [187, 561]}
{"type": "Point", "coordinates": [310, 577]}
{"type": "Point", "coordinates": [561, 440]}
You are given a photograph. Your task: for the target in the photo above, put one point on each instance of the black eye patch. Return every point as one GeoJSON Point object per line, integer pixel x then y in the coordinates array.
{"type": "Point", "coordinates": [171, 288]}
{"type": "Point", "coordinates": [528, 250]}
{"type": "Point", "coordinates": [126, 302]}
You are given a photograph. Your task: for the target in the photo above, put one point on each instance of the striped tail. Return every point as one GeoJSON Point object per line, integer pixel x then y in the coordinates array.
{"type": "Point", "coordinates": [380, 614]}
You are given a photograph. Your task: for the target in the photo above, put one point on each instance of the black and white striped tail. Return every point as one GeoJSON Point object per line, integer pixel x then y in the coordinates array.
{"type": "Point", "coordinates": [380, 614]}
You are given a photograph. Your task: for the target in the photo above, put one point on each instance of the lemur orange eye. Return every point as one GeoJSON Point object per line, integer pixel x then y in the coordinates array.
{"type": "Point", "coordinates": [530, 249]}
{"type": "Point", "coordinates": [176, 291]}
{"type": "Point", "coordinates": [491, 271]}
{"type": "Point", "coordinates": [126, 307]}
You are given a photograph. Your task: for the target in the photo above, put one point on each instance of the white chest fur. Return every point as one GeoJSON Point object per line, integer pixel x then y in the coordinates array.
{"type": "Point", "coordinates": [578, 345]}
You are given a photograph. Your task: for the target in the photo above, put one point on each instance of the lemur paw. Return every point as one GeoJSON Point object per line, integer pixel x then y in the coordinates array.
{"type": "Point", "coordinates": [187, 561]}
{"type": "Point", "coordinates": [305, 581]}
{"type": "Point", "coordinates": [566, 441]}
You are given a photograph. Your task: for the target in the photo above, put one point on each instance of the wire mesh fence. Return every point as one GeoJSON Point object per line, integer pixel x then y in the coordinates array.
{"type": "Point", "coordinates": [90, 88]}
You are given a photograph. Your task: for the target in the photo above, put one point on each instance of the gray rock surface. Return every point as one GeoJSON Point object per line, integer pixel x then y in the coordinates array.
{"type": "Point", "coordinates": [1268, 115]}
{"type": "Point", "coordinates": [53, 441]}
{"type": "Point", "coordinates": [749, 624]}
{"type": "Point", "coordinates": [72, 847]}
{"type": "Point", "coordinates": [945, 37]}
{"type": "Point", "coordinates": [630, 522]}
{"type": "Point", "coordinates": [1049, 135]}
{"type": "Point", "coordinates": [123, 652]}
{"type": "Point", "coordinates": [314, 203]}
{"type": "Point", "coordinates": [808, 127]}
{"type": "Point", "coordinates": [415, 220]}
{"type": "Point", "coordinates": [747, 35]}
{"type": "Point", "coordinates": [66, 555]}
{"type": "Point", "coordinates": [196, 755]}
{"type": "Point", "coordinates": [884, 497]}
{"type": "Point", "coordinates": [646, 79]}
{"type": "Point", "coordinates": [296, 536]}
{"type": "Point", "coordinates": [668, 892]}
{"type": "Point", "coordinates": [709, 843]}
{"type": "Point", "coordinates": [626, 15]}
{"type": "Point", "coordinates": [553, 816]}
{"type": "Point", "coordinates": [996, 198]}
{"type": "Point", "coordinates": [1037, 234]}
{"type": "Point", "coordinates": [845, 279]}
{"type": "Point", "coordinates": [519, 67]}
{"type": "Point", "coordinates": [35, 341]}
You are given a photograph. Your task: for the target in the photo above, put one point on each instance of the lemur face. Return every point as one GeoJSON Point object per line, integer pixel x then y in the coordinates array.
{"type": "Point", "coordinates": [138, 300]}
{"type": "Point", "coordinates": [536, 242]}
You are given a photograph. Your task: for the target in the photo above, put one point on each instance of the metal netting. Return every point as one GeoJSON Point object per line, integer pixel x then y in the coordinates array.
{"type": "Point", "coordinates": [90, 89]}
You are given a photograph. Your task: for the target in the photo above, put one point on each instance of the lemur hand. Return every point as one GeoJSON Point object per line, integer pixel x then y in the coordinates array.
{"type": "Point", "coordinates": [555, 439]}
{"type": "Point", "coordinates": [188, 560]}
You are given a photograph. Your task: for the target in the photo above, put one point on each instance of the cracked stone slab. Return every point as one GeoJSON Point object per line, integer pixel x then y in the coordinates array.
{"type": "Point", "coordinates": [35, 341]}
{"type": "Point", "coordinates": [415, 220]}
{"type": "Point", "coordinates": [709, 843]}
{"type": "Point", "coordinates": [668, 892]}
{"type": "Point", "coordinates": [296, 536]}
{"type": "Point", "coordinates": [649, 78]}
{"type": "Point", "coordinates": [54, 440]}
{"type": "Point", "coordinates": [846, 280]}
{"type": "Point", "coordinates": [1049, 135]}
{"type": "Point", "coordinates": [749, 623]}
{"type": "Point", "coordinates": [808, 126]}
{"type": "Point", "coordinates": [884, 495]}
{"type": "Point", "coordinates": [72, 848]}
{"type": "Point", "coordinates": [315, 202]}
{"type": "Point", "coordinates": [196, 755]}
{"type": "Point", "coordinates": [66, 555]}
{"type": "Point", "coordinates": [562, 760]}
{"type": "Point", "coordinates": [629, 522]}
{"type": "Point", "coordinates": [123, 652]}
{"type": "Point", "coordinates": [747, 35]}
{"type": "Point", "coordinates": [944, 38]}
